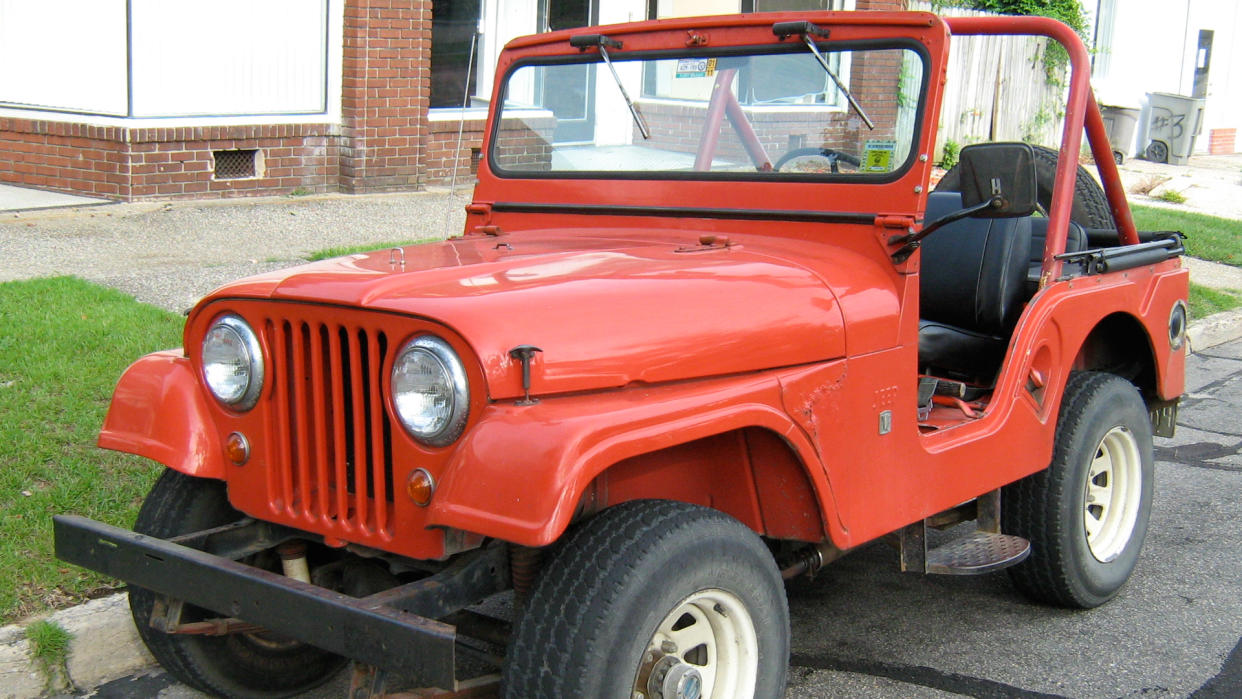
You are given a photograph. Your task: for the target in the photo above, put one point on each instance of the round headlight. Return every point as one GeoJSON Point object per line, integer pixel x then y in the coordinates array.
{"type": "Point", "coordinates": [233, 363]}
{"type": "Point", "coordinates": [429, 391]}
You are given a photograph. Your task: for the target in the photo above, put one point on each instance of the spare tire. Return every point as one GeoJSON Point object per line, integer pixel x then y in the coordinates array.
{"type": "Point", "coordinates": [1090, 208]}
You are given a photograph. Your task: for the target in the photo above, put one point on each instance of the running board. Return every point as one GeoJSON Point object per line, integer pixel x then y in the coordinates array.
{"type": "Point", "coordinates": [985, 551]}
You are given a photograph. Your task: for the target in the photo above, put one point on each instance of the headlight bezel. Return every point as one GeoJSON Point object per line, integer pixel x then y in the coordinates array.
{"type": "Point", "coordinates": [454, 370]}
{"type": "Point", "coordinates": [249, 342]}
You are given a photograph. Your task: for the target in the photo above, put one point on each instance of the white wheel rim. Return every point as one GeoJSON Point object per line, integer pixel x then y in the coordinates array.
{"type": "Point", "coordinates": [1112, 494]}
{"type": "Point", "coordinates": [712, 632]}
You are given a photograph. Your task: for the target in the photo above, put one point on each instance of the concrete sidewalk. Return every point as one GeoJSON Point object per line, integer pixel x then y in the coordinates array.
{"type": "Point", "coordinates": [14, 198]}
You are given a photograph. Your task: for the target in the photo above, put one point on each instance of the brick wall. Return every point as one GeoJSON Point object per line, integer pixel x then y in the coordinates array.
{"type": "Point", "coordinates": [165, 163]}
{"type": "Point", "coordinates": [385, 91]}
{"type": "Point", "coordinates": [66, 157]}
{"type": "Point", "coordinates": [1221, 141]}
{"type": "Point", "coordinates": [441, 153]}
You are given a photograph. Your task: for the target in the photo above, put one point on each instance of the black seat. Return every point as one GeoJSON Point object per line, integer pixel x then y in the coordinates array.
{"type": "Point", "coordinates": [1075, 241]}
{"type": "Point", "coordinates": [972, 287]}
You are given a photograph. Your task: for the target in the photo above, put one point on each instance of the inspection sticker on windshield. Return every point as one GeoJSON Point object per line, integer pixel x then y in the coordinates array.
{"type": "Point", "coordinates": [695, 67]}
{"type": "Point", "coordinates": [878, 156]}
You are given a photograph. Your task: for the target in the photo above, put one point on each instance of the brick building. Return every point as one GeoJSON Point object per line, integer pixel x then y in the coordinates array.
{"type": "Point", "coordinates": [158, 99]}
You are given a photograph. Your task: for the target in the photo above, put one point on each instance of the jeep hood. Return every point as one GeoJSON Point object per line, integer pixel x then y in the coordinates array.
{"type": "Point", "coordinates": [606, 313]}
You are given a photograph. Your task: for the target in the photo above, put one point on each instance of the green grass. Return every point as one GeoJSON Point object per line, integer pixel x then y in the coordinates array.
{"type": "Point", "coordinates": [49, 648]}
{"type": "Point", "coordinates": [63, 345]}
{"type": "Point", "coordinates": [1205, 301]}
{"type": "Point", "coordinates": [1207, 237]}
{"type": "Point", "coordinates": [342, 250]}
{"type": "Point", "coordinates": [1172, 196]}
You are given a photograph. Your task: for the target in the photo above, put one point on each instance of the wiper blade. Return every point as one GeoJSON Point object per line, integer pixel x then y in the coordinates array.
{"type": "Point", "coordinates": [584, 41]}
{"type": "Point", "coordinates": [805, 30]}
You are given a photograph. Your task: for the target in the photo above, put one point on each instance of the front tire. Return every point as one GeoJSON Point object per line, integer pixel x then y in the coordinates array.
{"type": "Point", "coordinates": [654, 599]}
{"type": "Point", "coordinates": [1086, 515]}
{"type": "Point", "coordinates": [237, 665]}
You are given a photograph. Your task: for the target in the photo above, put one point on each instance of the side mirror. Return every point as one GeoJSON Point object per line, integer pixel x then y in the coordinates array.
{"type": "Point", "coordinates": [1000, 173]}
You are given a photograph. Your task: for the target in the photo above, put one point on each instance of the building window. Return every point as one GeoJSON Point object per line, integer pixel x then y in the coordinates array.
{"type": "Point", "coordinates": [454, 51]}
{"type": "Point", "coordinates": [661, 9]}
{"type": "Point", "coordinates": [800, 83]}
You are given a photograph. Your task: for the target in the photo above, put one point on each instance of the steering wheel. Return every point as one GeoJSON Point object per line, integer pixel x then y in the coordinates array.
{"type": "Point", "coordinates": [834, 158]}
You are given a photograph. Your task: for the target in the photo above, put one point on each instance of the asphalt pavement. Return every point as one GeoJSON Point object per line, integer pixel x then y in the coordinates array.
{"type": "Point", "coordinates": [863, 629]}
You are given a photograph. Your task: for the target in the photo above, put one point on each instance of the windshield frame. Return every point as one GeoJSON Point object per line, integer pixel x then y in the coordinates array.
{"type": "Point", "coordinates": [774, 48]}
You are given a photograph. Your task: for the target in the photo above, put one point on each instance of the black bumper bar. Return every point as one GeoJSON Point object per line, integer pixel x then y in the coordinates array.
{"type": "Point", "coordinates": [356, 628]}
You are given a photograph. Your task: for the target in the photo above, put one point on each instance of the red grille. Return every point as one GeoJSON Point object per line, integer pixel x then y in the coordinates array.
{"type": "Point", "coordinates": [334, 459]}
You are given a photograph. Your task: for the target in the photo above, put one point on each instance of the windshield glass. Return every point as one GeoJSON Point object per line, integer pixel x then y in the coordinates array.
{"type": "Point", "coordinates": [754, 116]}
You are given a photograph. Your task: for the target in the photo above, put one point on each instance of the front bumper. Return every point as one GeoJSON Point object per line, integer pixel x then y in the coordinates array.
{"type": "Point", "coordinates": [369, 630]}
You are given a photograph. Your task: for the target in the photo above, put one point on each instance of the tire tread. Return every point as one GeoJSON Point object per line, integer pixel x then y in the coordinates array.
{"type": "Point", "coordinates": [592, 562]}
{"type": "Point", "coordinates": [1030, 504]}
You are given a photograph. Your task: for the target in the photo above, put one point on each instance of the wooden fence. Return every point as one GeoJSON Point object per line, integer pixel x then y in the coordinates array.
{"type": "Point", "coordinates": [998, 89]}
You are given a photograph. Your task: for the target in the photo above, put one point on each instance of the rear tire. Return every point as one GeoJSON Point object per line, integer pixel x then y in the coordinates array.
{"type": "Point", "coordinates": [1086, 515]}
{"type": "Point", "coordinates": [238, 665]}
{"type": "Point", "coordinates": [653, 588]}
{"type": "Point", "coordinates": [1090, 209]}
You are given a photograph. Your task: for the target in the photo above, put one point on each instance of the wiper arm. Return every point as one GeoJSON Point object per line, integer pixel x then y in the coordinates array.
{"type": "Point", "coordinates": [584, 41]}
{"type": "Point", "coordinates": [805, 30]}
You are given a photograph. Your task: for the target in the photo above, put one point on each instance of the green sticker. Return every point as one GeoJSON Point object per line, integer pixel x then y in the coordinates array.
{"type": "Point", "coordinates": [878, 156]}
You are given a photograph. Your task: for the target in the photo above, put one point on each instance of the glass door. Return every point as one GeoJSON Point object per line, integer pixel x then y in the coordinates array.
{"type": "Point", "coordinates": [572, 99]}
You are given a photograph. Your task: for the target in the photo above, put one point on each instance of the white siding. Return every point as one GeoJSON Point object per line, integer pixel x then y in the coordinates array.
{"type": "Point", "coordinates": [228, 57]}
{"type": "Point", "coordinates": [186, 58]}
{"type": "Point", "coordinates": [63, 55]}
{"type": "Point", "coordinates": [1151, 48]}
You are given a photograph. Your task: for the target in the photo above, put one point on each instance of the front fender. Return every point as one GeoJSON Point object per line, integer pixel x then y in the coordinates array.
{"type": "Point", "coordinates": [159, 411]}
{"type": "Point", "coordinates": [520, 471]}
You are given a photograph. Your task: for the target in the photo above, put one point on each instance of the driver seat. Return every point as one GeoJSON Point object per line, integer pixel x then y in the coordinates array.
{"type": "Point", "coordinates": [971, 291]}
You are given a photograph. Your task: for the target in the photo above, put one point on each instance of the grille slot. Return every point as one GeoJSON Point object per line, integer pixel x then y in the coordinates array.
{"type": "Point", "coordinates": [334, 464]}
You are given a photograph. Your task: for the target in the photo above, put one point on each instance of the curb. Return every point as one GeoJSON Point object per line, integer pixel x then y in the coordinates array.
{"type": "Point", "coordinates": [1214, 330]}
{"type": "Point", "coordinates": [105, 646]}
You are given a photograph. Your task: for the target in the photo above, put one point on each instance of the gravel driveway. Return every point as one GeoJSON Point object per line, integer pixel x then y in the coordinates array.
{"type": "Point", "coordinates": [171, 254]}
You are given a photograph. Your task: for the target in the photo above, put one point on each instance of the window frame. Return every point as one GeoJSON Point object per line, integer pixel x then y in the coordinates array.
{"type": "Point", "coordinates": [916, 47]}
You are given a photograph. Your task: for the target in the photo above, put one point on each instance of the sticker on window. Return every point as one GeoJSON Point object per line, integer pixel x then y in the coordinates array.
{"type": "Point", "coordinates": [878, 156]}
{"type": "Point", "coordinates": [695, 67]}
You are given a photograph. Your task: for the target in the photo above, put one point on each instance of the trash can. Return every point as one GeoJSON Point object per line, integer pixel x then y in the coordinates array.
{"type": "Point", "coordinates": [1172, 125]}
{"type": "Point", "coordinates": [1119, 122]}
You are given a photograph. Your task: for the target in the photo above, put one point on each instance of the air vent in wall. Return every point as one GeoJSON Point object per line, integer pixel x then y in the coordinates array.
{"type": "Point", "coordinates": [234, 164]}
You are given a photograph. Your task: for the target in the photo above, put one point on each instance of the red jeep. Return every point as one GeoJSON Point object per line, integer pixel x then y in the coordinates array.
{"type": "Point", "coordinates": [706, 328]}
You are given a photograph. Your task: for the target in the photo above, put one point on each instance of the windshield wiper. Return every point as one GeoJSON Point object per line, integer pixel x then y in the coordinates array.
{"type": "Point", "coordinates": [805, 29]}
{"type": "Point", "coordinates": [585, 41]}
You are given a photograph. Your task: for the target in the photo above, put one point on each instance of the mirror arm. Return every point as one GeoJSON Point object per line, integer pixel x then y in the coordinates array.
{"type": "Point", "coordinates": [910, 241]}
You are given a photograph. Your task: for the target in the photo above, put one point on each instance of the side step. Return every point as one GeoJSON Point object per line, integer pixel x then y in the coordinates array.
{"type": "Point", "coordinates": [984, 551]}
{"type": "Point", "coordinates": [979, 553]}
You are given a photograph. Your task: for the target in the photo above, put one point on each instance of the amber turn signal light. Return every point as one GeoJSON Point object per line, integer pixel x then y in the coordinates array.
{"type": "Point", "coordinates": [237, 448]}
{"type": "Point", "coordinates": [420, 486]}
